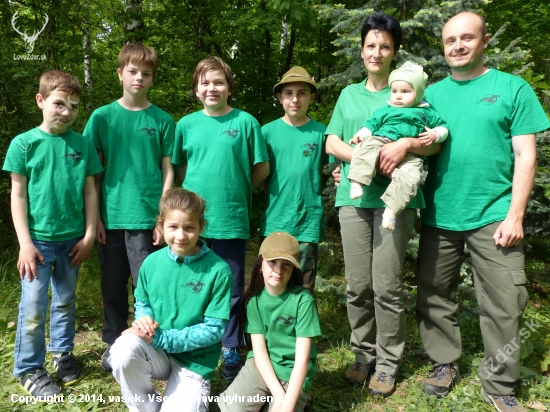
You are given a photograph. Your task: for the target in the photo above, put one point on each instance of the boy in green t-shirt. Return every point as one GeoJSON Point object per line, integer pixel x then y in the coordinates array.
{"type": "Point", "coordinates": [296, 148]}
{"type": "Point", "coordinates": [221, 155]}
{"type": "Point", "coordinates": [54, 208]}
{"type": "Point", "coordinates": [134, 140]}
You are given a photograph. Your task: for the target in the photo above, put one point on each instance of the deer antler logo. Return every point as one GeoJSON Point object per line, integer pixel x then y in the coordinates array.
{"type": "Point", "coordinates": [30, 40]}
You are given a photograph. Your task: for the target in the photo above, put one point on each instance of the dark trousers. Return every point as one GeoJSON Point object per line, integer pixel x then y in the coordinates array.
{"type": "Point", "coordinates": [121, 256]}
{"type": "Point", "coordinates": [233, 251]}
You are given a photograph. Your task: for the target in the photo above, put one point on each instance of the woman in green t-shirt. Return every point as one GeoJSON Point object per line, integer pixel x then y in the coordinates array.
{"type": "Point", "coordinates": [373, 256]}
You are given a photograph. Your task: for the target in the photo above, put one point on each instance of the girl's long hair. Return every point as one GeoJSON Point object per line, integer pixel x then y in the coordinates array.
{"type": "Point", "coordinates": [255, 286]}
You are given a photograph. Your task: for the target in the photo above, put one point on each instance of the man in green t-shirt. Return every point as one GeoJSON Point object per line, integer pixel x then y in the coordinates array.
{"type": "Point", "coordinates": [296, 148]}
{"type": "Point", "coordinates": [54, 209]}
{"type": "Point", "coordinates": [476, 193]}
{"type": "Point", "coordinates": [134, 139]}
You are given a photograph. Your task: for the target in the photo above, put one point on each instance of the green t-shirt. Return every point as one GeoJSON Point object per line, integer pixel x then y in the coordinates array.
{"type": "Point", "coordinates": [293, 201]}
{"type": "Point", "coordinates": [282, 319]}
{"type": "Point", "coordinates": [182, 294]}
{"type": "Point", "coordinates": [397, 122]}
{"type": "Point", "coordinates": [133, 145]}
{"type": "Point", "coordinates": [56, 167]}
{"type": "Point", "coordinates": [354, 106]}
{"type": "Point", "coordinates": [219, 153]}
{"type": "Point", "coordinates": [469, 184]}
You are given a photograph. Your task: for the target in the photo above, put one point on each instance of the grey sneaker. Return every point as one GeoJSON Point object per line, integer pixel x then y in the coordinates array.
{"type": "Point", "coordinates": [503, 403]}
{"type": "Point", "coordinates": [441, 380]}
{"type": "Point", "coordinates": [66, 368]}
{"type": "Point", "coordinates": [358, 373]}
{"type": "Point", "coordinates": [105, 360]}
{"type": "Point", "coordinates": [382, 384]}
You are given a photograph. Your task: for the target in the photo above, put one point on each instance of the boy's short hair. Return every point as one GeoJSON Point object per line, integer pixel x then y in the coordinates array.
{"type": "Point", "coordinates": [213, 63]}
{"type": "Point", "coordinates": [137, 53]}
{"type": "Point", "coordinates": [58, 80]}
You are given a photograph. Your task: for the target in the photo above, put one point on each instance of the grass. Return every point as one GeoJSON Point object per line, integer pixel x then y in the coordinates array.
{"type": "Point", "coordinates": [330, 390]}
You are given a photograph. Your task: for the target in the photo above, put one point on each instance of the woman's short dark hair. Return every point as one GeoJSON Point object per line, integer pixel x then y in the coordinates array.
{"type": "Point", "coordinates": [380, 21]}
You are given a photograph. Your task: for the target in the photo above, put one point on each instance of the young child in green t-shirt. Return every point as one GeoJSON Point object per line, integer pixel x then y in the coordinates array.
{"type": "Point", "coordinates": [221, 155]}
{"type": "Point", "coordinates": [134, 140]}
{"type": "Point", "coordinates": [406, 115]}
{"type": "Point", "coordinates": [54, 208]}
{"type": "Point", "coordinates": [296, 148]}
{"type": "Point", "coordinates": [281, 320]}
{"type": "Point", "coordinates": [182, 307]}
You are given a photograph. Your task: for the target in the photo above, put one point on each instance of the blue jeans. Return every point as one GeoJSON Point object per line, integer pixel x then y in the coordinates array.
{"type": "Point", "coordinates": [30, 346]}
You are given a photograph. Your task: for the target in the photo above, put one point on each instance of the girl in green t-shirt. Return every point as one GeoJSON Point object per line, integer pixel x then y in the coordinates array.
{"type": "Point", "coordinates": [281, 319]}
{"type": "Point", "coordinates": [182, 306]}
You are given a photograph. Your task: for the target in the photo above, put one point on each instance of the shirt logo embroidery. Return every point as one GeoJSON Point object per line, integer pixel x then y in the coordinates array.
{"type": "Point", "coordinates": [310, 148]}
{"type": "Point", "coordinates": [195, 287]}
{"type": "Point", "coordinates": [422, 116]}
{"type": "Point", "coordinates": [231, 133]}
{"type": "Point", "coordinates": [489, 99]}
{"type": "Point", "coordinates": [149, 131]}
{"type": "Point", "coordinates": [288, 320]}
{"type": "Point", "coordinates": [75, 157]}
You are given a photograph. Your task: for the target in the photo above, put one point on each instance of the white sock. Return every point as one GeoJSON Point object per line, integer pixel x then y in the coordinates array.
{"type": "Point", "coordinates": [388, 219]}
{"type": "Point", "coordinates": [356, 190]}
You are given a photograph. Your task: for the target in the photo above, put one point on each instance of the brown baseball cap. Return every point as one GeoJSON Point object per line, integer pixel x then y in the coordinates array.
{"type": "Point", "coordinates": [280, 245]}
{"type": "Point", "coordinates": [296, 74]}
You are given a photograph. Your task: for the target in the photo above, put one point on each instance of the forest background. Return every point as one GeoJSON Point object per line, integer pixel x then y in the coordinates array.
{"type": "Point", "coordinates": [261, 40]}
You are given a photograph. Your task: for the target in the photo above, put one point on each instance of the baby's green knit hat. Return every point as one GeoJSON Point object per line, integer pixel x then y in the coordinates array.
{"type": "Point", "coordinates": [414, 75]}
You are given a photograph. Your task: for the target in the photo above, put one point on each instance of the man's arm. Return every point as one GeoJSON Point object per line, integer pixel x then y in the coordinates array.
{"type": "Point", "coordinates": [260, 171]}
{"type": "Point", "coordinates": [510, 231]}
{"type": "Point", "coordinates": [393, 153]}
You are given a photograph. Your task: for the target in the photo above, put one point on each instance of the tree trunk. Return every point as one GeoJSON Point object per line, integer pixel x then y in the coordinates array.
{"type": "Point", "coordinates": [284, 34]}
{"type": "Point", "coordinates": [133, 21]}
{"type": "Point", "coordinates": [290, 50]}
{"type": "Point", "coordinates": [87, 58]}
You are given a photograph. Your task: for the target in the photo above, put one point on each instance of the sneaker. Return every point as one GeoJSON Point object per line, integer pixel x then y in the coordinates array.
{"type": "Point", "coordinates": [231, 363]}
{"type": "Point", "coordinates": [66, 368]}
{"type": "Point", "coordinates": [440, 381]}
{"type": "Point", "coordinates": [382, 384]}
{"type": "Point", "coordinates": [105, 360]}
{"type": "Point", "coordinates": [39, 385]}
{"type": "Point", "coordinates": [503, 403]}
{"type": "Point", "coordinates": [358, 373]}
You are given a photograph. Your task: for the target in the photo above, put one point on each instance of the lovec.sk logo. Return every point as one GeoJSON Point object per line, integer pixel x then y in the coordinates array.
{"type": "Point", "coordinates": [29, 40]}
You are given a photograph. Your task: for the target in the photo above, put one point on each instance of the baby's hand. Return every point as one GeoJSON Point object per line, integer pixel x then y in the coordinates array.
{"type": "Point", "coordinates": [359, 136]}
{"type": "Point", "coordinates": [428, 137]}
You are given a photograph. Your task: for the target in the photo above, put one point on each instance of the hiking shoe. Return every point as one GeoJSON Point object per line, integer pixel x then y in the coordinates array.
{"type": "Point", "coordinates": [382, 384]}
{"type": "Point", "coordinates": [105, 360]}
{"type": "Point", "coordinates": [358, 373]}
{"type": "Point", "coordinates": [39, 385]}
{"type": "Point", "coordinates": [66, 368]}
{"type": "Point", "coordinates": [503, 403]}
{"type": "Point", "coordinates": [440, 381]}
{"type": "Point", "coordinates": [231, 363]}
